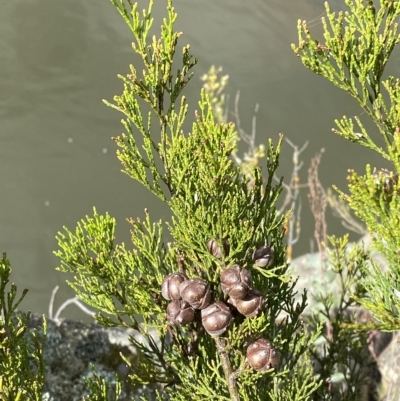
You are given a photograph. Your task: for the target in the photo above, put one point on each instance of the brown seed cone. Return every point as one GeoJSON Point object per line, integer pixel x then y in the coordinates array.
{"type": "Point", "coordinates": [179, 313]}
{"type": "Point", "coordinates": [215, 249]}
{"type": "Point", "coordinates": [262, 355]}
{"type": "Point", "coordinates": [196, 292]}
{"type": "Point", "coordinates": [235, 282]}
{"type": "Point", "coordinates": [263, 257]}
{"type": "Point", "coordinates": [170, 286]}
{"type": "Point", "coordinates": [216, 318]}
{"type": "Point", "coordinates": [250, 305]}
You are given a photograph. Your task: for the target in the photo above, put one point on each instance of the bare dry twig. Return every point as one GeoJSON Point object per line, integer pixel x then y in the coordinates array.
{"type": "Point", "coordinates": [74, 300]}
{"type": "Point", "coordinates": [318, 203]}
{"type": "Point", "coordinates": [342, 211]}
{"type": "Point", "coordinates": [292, 200]}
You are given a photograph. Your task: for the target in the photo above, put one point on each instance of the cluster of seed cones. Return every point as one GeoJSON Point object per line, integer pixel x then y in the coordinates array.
{"type": "Point", "coordinates": [188, 295]}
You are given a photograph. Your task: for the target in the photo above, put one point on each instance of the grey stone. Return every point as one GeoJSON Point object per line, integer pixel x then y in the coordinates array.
{"type": "Point", "coordinates": [72, 347]}
{"type": "Point", "coordinates": [389, 367]}
{"type": "Point", "coordinates": [384, 353]}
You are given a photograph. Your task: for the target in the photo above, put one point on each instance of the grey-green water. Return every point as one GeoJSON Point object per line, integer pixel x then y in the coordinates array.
{"type": "Point", "coordinates": [58, 59]}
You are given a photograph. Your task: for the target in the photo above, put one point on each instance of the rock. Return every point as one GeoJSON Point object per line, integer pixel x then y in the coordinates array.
{"type": "Point", "coordinates": [72, 346]}
{"type": "Point", "coordinates": [389, 367]}
{"type": "Point", "coordinates": [312, 276]}
{"type": "Point", "coordinates": [384, 353]}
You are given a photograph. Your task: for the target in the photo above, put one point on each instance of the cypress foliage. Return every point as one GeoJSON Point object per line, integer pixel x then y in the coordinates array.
{"type": "Point", "coordinates": [353, 55]}
{"type": "Point", "coordinates": [210, 200]}
{"type": "Point", "coordinates": [356, 48]}
{"type": "Point", "coordinates": [21, 350]}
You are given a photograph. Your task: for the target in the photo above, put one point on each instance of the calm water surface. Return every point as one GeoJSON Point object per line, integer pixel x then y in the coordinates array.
{"type": "Point", "coordinates": [57, 161]}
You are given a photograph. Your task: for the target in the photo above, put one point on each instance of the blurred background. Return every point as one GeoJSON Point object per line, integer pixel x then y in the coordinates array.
{"type": "Point", "coordinates": [58, 60]}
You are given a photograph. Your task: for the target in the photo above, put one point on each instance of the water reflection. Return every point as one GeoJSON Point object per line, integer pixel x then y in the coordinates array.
{"type": "Point", "coordinates": [59, 59]}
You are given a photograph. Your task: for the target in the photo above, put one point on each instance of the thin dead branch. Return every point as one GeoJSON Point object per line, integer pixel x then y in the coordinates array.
{"type": "Point", "coordinates": [318, 203]}
{"type": "Point", "coordinates": [292, 200]}
{"type": "Point", "coordinates": [70, 301]}
{"type": "Point", "coordinates": [341, 210]}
